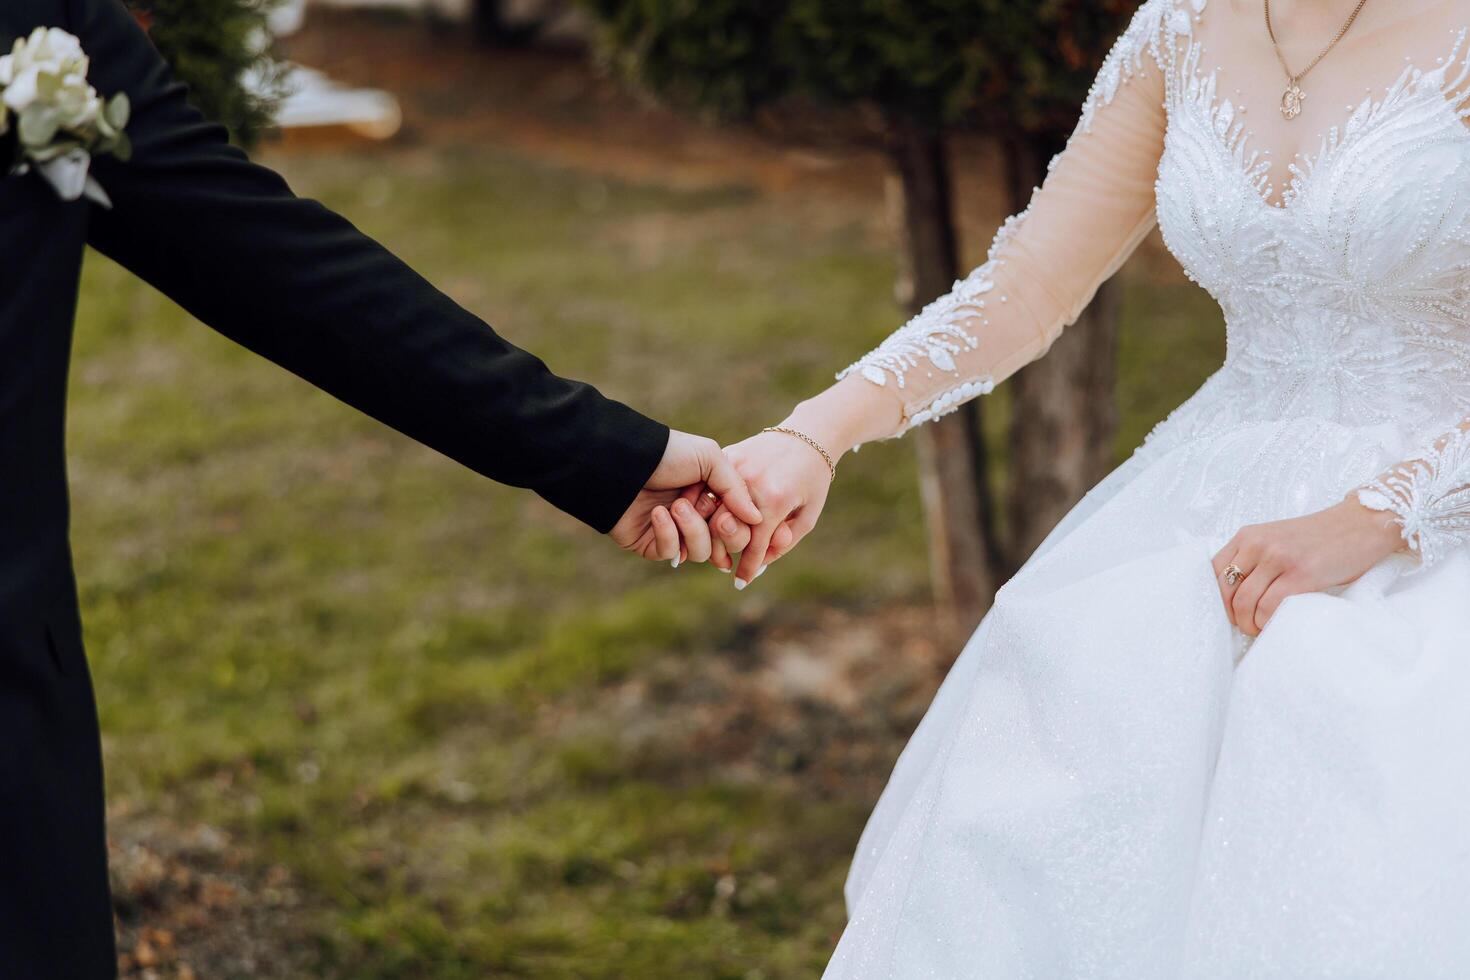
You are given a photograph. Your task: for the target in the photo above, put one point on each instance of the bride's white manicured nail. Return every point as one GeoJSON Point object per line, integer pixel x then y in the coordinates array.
{"type": "Point", "coordinates": [740, 584]}
{"type": "Point", "coordinates": [725, 571]}
{"type": "Point", "coordinates": [675, 563]}
{"type": "Point", "coordinates": [761, 572]}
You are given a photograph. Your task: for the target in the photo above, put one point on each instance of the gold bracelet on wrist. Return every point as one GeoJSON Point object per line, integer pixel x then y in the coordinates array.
{"type": "Point", "coordinates": [797, 434]}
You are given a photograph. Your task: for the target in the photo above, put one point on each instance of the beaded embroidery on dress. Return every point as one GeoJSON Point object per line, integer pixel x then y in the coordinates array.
{"type": "Point", "coordinates": [1111, 782]}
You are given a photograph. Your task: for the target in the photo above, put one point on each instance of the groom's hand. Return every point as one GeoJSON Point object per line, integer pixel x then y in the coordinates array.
{"type": "Point", "coordinates": [664, 523]}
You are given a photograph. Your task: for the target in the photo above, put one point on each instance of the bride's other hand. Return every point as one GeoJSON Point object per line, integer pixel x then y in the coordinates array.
{"type": "Point", "coordinates": [1305, 554]}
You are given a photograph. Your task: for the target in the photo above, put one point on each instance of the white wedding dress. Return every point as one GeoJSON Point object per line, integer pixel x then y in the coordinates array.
{"type": "Point", "coordinates": [1113, 782]}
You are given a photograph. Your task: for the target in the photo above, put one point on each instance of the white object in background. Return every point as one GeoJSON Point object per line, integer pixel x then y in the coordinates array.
{"type": "Point", "coordinates": [314, 100]}
{"type": "Point", "coordinates": [286, 17]}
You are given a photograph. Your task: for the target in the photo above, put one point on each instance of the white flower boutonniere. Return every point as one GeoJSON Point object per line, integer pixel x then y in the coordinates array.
{"type": "Point", "coordinates": [52, 120]}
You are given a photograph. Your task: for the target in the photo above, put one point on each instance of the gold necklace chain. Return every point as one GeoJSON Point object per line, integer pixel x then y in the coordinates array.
{"type": "Point", "coordinates": [1291, 101]}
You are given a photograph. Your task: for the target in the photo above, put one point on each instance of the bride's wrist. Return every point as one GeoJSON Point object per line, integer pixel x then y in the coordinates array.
{"type": "Point", "coordinates": [827, 430]}
{"type": "Point", "coordinates": [1379, 526]}
{"type": "Point", "coordinates": [846, 415]}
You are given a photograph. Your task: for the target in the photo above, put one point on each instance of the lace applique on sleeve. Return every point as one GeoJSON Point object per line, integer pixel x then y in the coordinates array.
{"type": "Point", "coordinates": [1429, 497]}
{"type": "Point", "coordinates": [1046, 263]}
{"type": "Point", "coordinates": [939, 334]}
{"type": "Point", "coordinates": [1154, 28]}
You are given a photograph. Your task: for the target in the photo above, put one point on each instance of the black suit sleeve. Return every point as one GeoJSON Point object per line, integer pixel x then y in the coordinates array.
{"type": "Point", "coordinates": [298, 284]}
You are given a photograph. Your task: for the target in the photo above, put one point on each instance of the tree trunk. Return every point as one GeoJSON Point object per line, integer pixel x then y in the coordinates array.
{"type": "Point", "coordinates": [1064, 417]}
{"type": "Point", "coordinates": [953, 473]}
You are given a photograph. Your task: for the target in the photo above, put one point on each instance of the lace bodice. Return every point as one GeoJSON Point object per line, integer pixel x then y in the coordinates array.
{"type": "Point", "coordinates": [1343, 271]}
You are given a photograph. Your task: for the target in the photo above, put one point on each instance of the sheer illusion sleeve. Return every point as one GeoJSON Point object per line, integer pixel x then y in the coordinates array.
{"type": "Point", "coordinates": [1429, 496]}
{"type": "Point", "coordinates": [1095, 206]}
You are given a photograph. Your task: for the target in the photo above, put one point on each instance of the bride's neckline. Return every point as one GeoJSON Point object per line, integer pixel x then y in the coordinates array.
{"type": "Point", "coordinates": [1259, 164]}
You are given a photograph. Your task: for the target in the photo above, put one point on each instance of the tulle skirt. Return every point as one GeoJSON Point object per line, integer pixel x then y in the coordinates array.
{"type": "Point", "coordinates": [1113, 782]}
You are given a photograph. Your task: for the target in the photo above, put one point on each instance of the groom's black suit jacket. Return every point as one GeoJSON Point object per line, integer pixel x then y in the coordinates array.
{"type": "Point", "coordinates": [283, 277]}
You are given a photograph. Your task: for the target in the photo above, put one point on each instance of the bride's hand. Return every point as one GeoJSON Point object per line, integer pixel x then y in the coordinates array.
{"type": "Point", "coordinates": [1305, 554]}
{"type": "Point", "coordinates": [789, 481]}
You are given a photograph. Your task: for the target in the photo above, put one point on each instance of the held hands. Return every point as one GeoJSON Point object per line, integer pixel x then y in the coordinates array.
{"type": "Point", "coordinates": [1264, 564]}
{"type": "Point", "coordinates": [790, 472]}
{"type": "Point", "coordinates": [698, 504]}
{"type": "Point", "coordinates": [698, 488]}
{"type": "Point", "coordinates": [667, 520]}
{"type": "Point", "coordinates": [760, 497]}
{"type": "Point", "coordinates": [791, 479]}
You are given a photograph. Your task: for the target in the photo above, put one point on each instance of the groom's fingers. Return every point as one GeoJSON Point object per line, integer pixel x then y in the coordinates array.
{"type": "Point", "coordinates": [704, 500]}
{"type": "Point", "coordinates": [694, 493]}
{"type": "Point", "coordinates": [665, 536]}
{"type": "Point", "coordinates": [719, 557]}
{"type": "Point", "coordinates": [726, 484]}
{"type": "Point", "coordinates": [693, 529]}
{"type": "Point", "coordinates": [731, 537]}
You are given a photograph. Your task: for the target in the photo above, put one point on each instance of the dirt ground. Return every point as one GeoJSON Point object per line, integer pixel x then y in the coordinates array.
{"type": "Point", "coordinates": [190, 905]}
{"type": "Point", "coordinates": [799, 701]}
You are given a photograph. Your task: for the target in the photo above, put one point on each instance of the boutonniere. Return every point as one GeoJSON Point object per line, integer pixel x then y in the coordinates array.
{"type": "Point", "coordinates": [52, 121]}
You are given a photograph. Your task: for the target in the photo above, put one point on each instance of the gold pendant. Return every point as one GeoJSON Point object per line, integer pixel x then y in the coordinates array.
{"type": "Point", "coordinates": [1291, 101]}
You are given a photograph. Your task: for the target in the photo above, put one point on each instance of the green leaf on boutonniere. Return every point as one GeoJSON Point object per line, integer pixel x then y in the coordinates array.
{"type": "Point", "coordinates": [118, 111]}
{"type": "Point", "coordinates": [122, 148]}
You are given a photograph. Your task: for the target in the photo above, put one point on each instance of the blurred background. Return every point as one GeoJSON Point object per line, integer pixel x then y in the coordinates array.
{"type": "Point", "coordinates": [367, 715]}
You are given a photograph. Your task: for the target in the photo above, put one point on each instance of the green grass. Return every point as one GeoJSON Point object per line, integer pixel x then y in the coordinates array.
{"type": "Point", "coordinates": [384, 672]}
